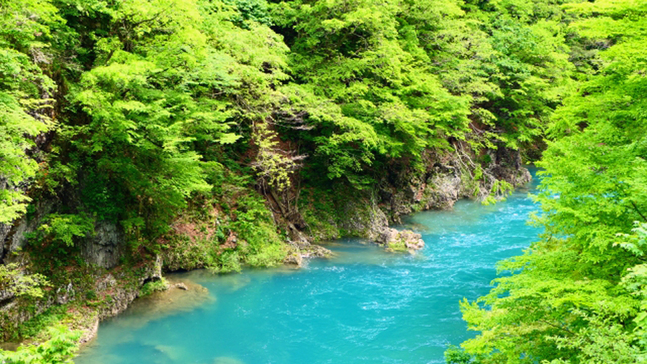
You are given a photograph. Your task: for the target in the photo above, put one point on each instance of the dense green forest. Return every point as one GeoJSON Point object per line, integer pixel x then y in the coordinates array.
{"type": "Point", "coordinates": [251, 122]}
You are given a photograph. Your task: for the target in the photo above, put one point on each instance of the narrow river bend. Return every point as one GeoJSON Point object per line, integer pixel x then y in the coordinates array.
{"type": "Point", "coordinates": [365, 306]}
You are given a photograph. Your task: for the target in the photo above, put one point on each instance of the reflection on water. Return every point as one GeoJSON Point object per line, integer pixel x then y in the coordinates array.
{"type": "Point", "coordinates": [363, 306]}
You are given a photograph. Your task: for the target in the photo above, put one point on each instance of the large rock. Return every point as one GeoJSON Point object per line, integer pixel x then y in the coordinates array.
{"type": "Point", "coordinates": [293, 259]}
{"type": "Point", "coordinates": [446, 180]}
{"type": "Point", "coordinates": [104, 247]}
{"type": "Point", "coordinates": [15, 237]}
{"type": "Point", "coordinates": [4, 228]}
{"type": "Point", "coordinates": [440, 192]}
{"type": "Point", "coordinates": [364, 219]}
{"type": "Point", "coordinates": [506, 165]}
{"type": "Point", "coordinates": [181, 285]}
{"type": "Point", "coordinates": [4, 231]}
{"type": "Point", "coordinates": [65, 294]}
{"type": "Point", "coordinates": [299, 253]}
{"type": "Point", "coordinates": [316, 251]}
{"type": "Point", "coordinates": [404, 240]}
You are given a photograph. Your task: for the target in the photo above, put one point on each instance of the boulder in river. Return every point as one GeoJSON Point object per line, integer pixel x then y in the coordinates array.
{"type": "Point", "coordinates": [315, 251]}
{"type": "Point", "coordinates": [296, 256]}
{"type": "Point", "coordinates": [181, 286]}
{"type": "Point", "coordinates": [404, 240]}
{"type": "Point", "coordinates": [294, 259]}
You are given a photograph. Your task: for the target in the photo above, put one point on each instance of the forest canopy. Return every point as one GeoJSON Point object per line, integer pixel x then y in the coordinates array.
{"type": "Point", "coordinates": [144, 95]}
{"type": "Point", "coordinates": [136, 111]}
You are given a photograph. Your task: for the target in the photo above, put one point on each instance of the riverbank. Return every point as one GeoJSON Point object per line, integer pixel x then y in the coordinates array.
{"type": "Point", "coordinates": [364, 305]}
{"type": "Point", "coordinates": [81, 298]}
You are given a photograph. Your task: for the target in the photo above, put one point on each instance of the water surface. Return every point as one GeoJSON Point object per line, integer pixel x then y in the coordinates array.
{"type": "Point", "coordinates": [365, 306]}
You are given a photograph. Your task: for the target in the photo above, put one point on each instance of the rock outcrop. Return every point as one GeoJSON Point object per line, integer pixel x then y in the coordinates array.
{"type": "Point", "coordinates": [15, 236]}
{"type": "Point", "coordinates": [114, 291]}
{"type": "Point", "coordinates": [103, 248]}
{"type": "Point", "coordinates": [298, 253]}
{"type": "Point", "coordinates": [445, 179]}
{"type": "Point", "coordinates": [403, 241]}
{"type": "Point", "coordinates": [363, 218]}
{"type": "Point", "coordinates": [294, 259]}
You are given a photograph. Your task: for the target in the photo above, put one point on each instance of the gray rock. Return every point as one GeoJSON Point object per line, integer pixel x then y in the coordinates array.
{"type": "Point", "coordinates": [104, 247]}
{"type": "Point", "coordinates": [157, 267]}
{"type": "Point", "coordinates": [65, 294]}
{"type": "Point", "coordinates": [506, 165]}
{"type": "Point", "coordinates": [316, 251]}
{"type": "Point", "coordinates": [364, 219]}
{"type": "Point", "coordinates": [16, 237]}
{"type": "Point", "coordinates": [4, 228]}
{"type": "Point", "coordinates": [181, 286]}
{"type": "Point", "coordinates": [4, 231]}
{"type": "Point", "coordinates": [106, 282]}
{"type": "Point", "coordinates": [6, 295]}
{"type": "Point", "coordinates": [294, 259]}
{"type": "Point", "coordinates": [90, 333]}
{"type": "Point", "coordinates": [405, 240]}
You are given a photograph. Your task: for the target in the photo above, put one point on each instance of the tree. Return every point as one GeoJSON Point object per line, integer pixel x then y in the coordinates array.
{"type": "Point", "coordinates": [25, 96]}
{"type": "Point", "coordinates": [568, 301]}
{"type": "Point", "coordinates": [358, 56]}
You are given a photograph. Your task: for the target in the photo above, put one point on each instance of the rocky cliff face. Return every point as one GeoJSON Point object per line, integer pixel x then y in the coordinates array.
{"type": "Point", "coordinates": [104, 248]}
{"type": "Point", "coordinates": [4, 231]}
{"type": "Point", "coordinates": [445, 180]}
{"type": "Point", "coordinates": [15, 239]}
{"type": "Point", "coordinates": [363, 218]}
{"type": "Point", "coordinates": [112, 292]}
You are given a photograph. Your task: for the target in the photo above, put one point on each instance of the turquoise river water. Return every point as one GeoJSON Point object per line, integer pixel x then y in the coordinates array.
{"type": "Point", "coordinates": [364, 306]}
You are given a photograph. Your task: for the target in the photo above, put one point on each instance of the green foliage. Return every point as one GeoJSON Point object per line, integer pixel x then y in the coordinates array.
{"type": "Point", "coordinates": [204, 237]}
{"type": "Point", "coordinates": [15, 281]}
{"type": "Point", "coordinates": [534, 66]}
{"type": "Point", "coordinates": [25, 93]}
{"type": "Point", "coordinates": [150, 98]}
{"type": "Point", "coordinates": [397, 246]}
{"type": "Point", "coordinates": [91, 295]}
{"type": "Point", "coordinates": [320, 214]}
{"type": "Point", "coordinates": [576, 295]}
{"type": "Point", "coordinates": [250, 12]}
{"type": "Point", "coordinates": [152, 95]}
{"type": "Point", "coordinates": [226, 262]}
{"type": "Point", "coordinates": [455, 355]}
{"type": "Point", "coordinates": [499, 191]}
{"type": "Point", "coordinates": [267, 255]}
{"type": "Point", "coordinates": [154, 286]}
{"type": "Point", "coordinates": [254, 225]}
{"type": "Point", "coordinates": [40, 323]}
{"type": "Point", "coordinates": [63, 228]}
{"type": "Point", "coordinates": [273, 167]}
{"type": "Point", "coordinates": [360, 57]}
{"type": "Point", "coordinates": [58, 350]}
{"type": "Point", "coordinates": [635, 281]}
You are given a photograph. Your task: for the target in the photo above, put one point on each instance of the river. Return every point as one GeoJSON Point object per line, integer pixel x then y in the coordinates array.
{"type": "Point", "coordinates": [364, 306]}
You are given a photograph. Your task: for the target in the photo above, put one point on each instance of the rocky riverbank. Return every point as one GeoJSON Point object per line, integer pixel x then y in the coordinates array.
{"type": "Point", "coordinates": [445, 180]}
{"type": "Point", "coordinates": [106, 284]}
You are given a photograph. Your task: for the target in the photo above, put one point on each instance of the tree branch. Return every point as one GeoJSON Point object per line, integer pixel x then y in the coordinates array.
{"type": "Point", "coordinates": [638, 211]}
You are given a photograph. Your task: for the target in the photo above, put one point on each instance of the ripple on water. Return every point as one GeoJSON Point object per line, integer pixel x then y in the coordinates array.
{"type": "Point", "coordinates": [364, 306]}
